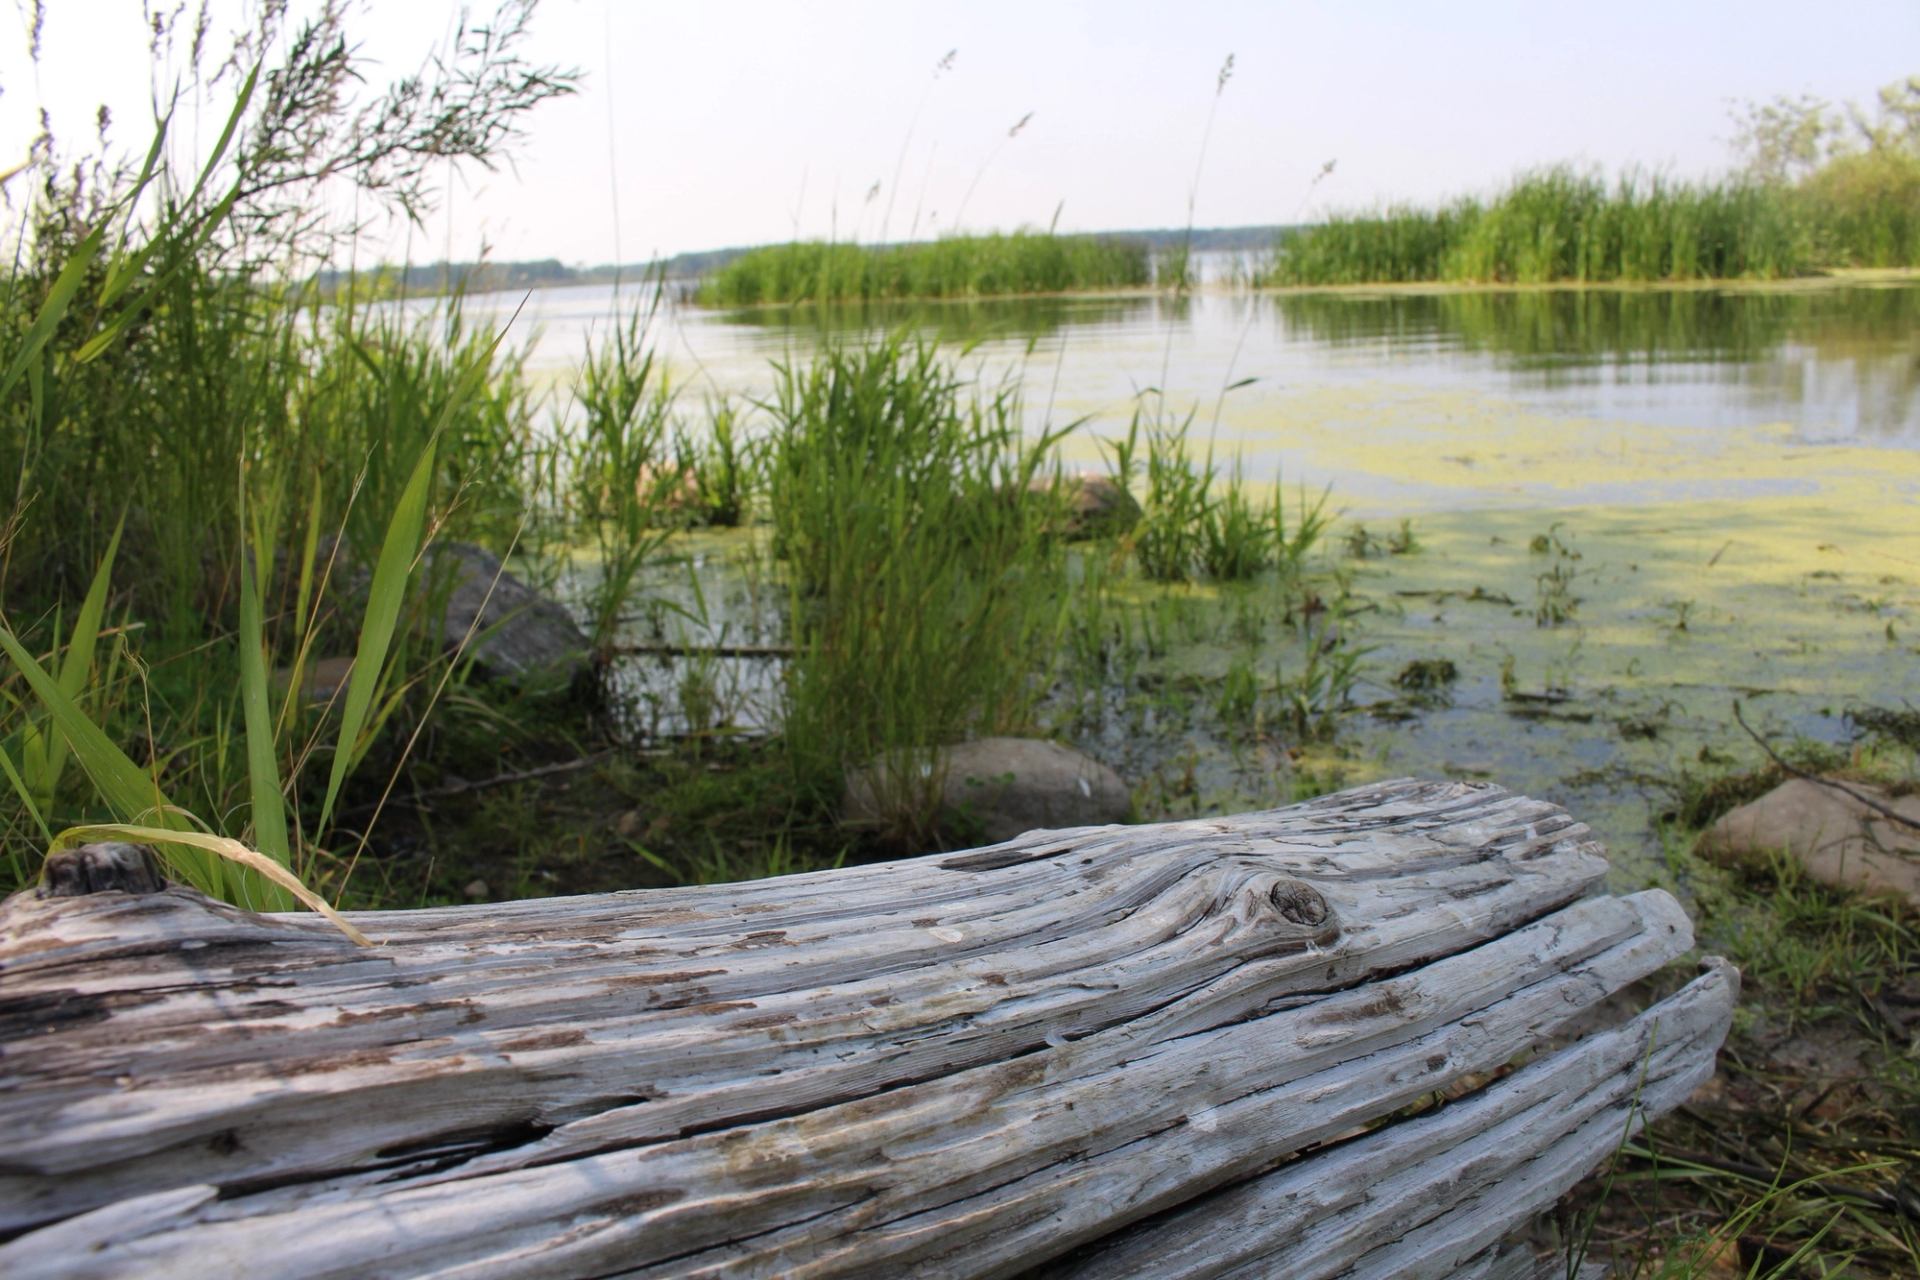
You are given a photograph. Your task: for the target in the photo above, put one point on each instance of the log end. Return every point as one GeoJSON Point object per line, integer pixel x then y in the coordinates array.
{"type": "Point", "coordinates": [109, 867]}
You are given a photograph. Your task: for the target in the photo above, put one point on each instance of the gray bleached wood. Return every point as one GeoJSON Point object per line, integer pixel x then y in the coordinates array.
{"type": "Point", "coordinates": [1076, 1046]}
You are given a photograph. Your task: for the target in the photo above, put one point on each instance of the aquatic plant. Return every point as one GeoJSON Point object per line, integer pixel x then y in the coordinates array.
{"type": "Point", "coordinates": [950, 267]}
{"type": "Point", "coordinates": [1554, 601]}
{"type": "Point", "coordinates": [1564, 224]}
{"type": "Point", "coordinates": [617, 461]}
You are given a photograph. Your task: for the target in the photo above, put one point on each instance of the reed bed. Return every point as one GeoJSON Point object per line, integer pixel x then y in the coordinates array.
{"type": "Point", "coordinates": [951, 267]}
{"type": "Point", "coordinates": [1562, 224]}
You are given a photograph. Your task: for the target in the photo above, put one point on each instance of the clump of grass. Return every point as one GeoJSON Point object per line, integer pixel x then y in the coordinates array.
{"type": "Point", "coordinates": [1424, 675]}
{"type": "Point", "coordinates": [1364, 544]}
{"type": "Point", "coordinates": [1895, 724]}
{"type": "Point", "coordinates": [1319, 694]}
{"type": "Point", "coordinates": [622, 485]}
{"type": "Point", "coordinates": [1197, 523]}
{"type": "Point", "coordinates": [227, 477]}
{"type": "Point", "coordinates": [951, 267]}
{"type": "Point", "coordinates": [724, 465]}
{"type": "Point", "coordinates": [1169, 539]}
{"type": "Point", "coordinates": [925, 604]}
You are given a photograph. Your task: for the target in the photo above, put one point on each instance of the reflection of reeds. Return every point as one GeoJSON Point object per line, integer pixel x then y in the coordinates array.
{"type": "Point", "coordinates": [1561, 331]}
{"type": "Point", "coordinates": [951, 267]}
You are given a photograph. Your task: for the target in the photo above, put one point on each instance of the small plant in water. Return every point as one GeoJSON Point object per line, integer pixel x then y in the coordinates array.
{"type": "Point", "coordinates": [1364, 544]}
{"type": "Point", "coordinates": [1554, 601]}
{"type": "Point", "coordinates": [1239, 697]}
{"type": "Point", "coordinates": [1424, 675]}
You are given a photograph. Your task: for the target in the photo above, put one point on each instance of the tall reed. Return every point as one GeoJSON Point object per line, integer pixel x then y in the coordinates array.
{"type": "Point", "coordinates": [1563, 224]}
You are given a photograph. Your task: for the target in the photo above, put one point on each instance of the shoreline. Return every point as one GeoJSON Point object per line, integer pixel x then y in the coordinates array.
{"type": "Point", "coordinates": [1830, 278]}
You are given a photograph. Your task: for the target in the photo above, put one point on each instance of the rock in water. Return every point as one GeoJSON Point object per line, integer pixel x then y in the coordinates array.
{"type": "Point", "coordinates": [993, 789]}
{"type": "Point", "coordinates": [523, 637]}
{"type": "Point", "coordinates": [1093, 506]}
{"type": "Point", "coordinates": [1840, 842]}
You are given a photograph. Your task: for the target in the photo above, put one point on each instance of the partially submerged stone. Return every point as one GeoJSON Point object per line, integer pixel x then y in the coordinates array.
{"type": "Point", "coordinates": [1093, 505]}
{"type": "Point", "coordinates": [993, 789]}
{"type": "Point", "coordinates": [668, 488]}
{"type": "Point", "coordinates": [524, 638]}
{"type": "Point", "coordinates": [1839, 841]}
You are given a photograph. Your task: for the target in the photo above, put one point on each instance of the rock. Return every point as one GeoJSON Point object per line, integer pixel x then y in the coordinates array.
{"type": "Point", "coordinates": [523, 637]}
{"type": "Point", "coordinates": [629, 824]}
{"type": "Point", "coordinates": [1839, 841]}
{"type": "Point", "coordinates": [476, 891]}
{"type": "Point", "coordinates": [323, 680]}
{"type": "Point", "coordinates": [668, 488]}
{"type": "Point", "coordinates": [994, 789]}
{"type": "Point", "coordinates": [1093, 505]}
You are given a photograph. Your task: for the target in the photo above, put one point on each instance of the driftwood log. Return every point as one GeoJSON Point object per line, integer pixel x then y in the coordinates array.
{"type": "Point", "coordinates": [1214, 1047]}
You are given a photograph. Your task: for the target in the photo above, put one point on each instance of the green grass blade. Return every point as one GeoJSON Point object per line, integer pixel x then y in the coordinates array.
{"type": "Point", "coordinates": [26, 796]}
{"type": "Point", "coordinates": [388, 589]}
{"type": "Point", "coordinates": [80, 648]}
{"type": "Point", "coordinates": [226, 135]}
{"type": "Point", "coordinates": [123, 267]}
{"type": "Point", "coordinates": [128, 267]}
{"type": "Point", "coordinates": [65, 285]}
{"type": "Point", "coordinates": [384, 598]}
{"type": "Point", "coordinates": [126, 787]}
{"type": "Point", "coordinates": [263, 769]}
{"type": "Point", "coordinates": [187, 258]}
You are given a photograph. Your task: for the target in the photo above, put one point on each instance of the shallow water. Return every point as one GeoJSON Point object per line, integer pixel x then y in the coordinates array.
{"type": "Point", "coordinates": [1738, 471]}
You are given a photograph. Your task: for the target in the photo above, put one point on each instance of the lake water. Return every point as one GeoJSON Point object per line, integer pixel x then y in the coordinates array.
{"type": "Point", "coordinates": [1735, 474]}
{"type": "Point", "coordinates": [1404, 402]}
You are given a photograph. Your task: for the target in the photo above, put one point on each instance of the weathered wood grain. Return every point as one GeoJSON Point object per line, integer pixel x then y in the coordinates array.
{"type": "Point", "coordinates": [948, 1066]}
{"type": "Point", "coordinates": [1406, 1199]}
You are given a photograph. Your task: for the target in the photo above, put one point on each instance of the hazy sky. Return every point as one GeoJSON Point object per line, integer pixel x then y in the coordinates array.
{"type": "Point", "coordinates": [707, 123]}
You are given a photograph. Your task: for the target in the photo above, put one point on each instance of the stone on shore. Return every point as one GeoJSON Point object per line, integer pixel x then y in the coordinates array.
{"type": "Point", "coordinates": [994, 789]}
{"type": "Point", "coordinates": [522, 637]}
{"type": "Point", "coordinates": [1839, 841]}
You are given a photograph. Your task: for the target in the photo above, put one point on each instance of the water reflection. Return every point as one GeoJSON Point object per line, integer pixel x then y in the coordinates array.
{"type": "Point", "coordinates": [1848, 358]}
{"type": "Point", "coordinates": [959, 321]}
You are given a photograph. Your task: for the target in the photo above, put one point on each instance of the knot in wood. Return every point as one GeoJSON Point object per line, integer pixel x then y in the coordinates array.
{"type": "Point", "coordinates": [102, 868]}
{"type": "Point", "coordinates": [1298, 902]}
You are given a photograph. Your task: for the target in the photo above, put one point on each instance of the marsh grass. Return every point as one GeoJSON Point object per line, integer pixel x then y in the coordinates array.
{"type": "Point", "coordinates": [1563, 224]}
{"type": "Point", "coordinates": [616, 449]}
{"type": "Point", "coordinates": [1200, 521]}
{"type": "Point", "coordinates": [950, 267]}
{"type": "Point", "coordinates": [926, 597]}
